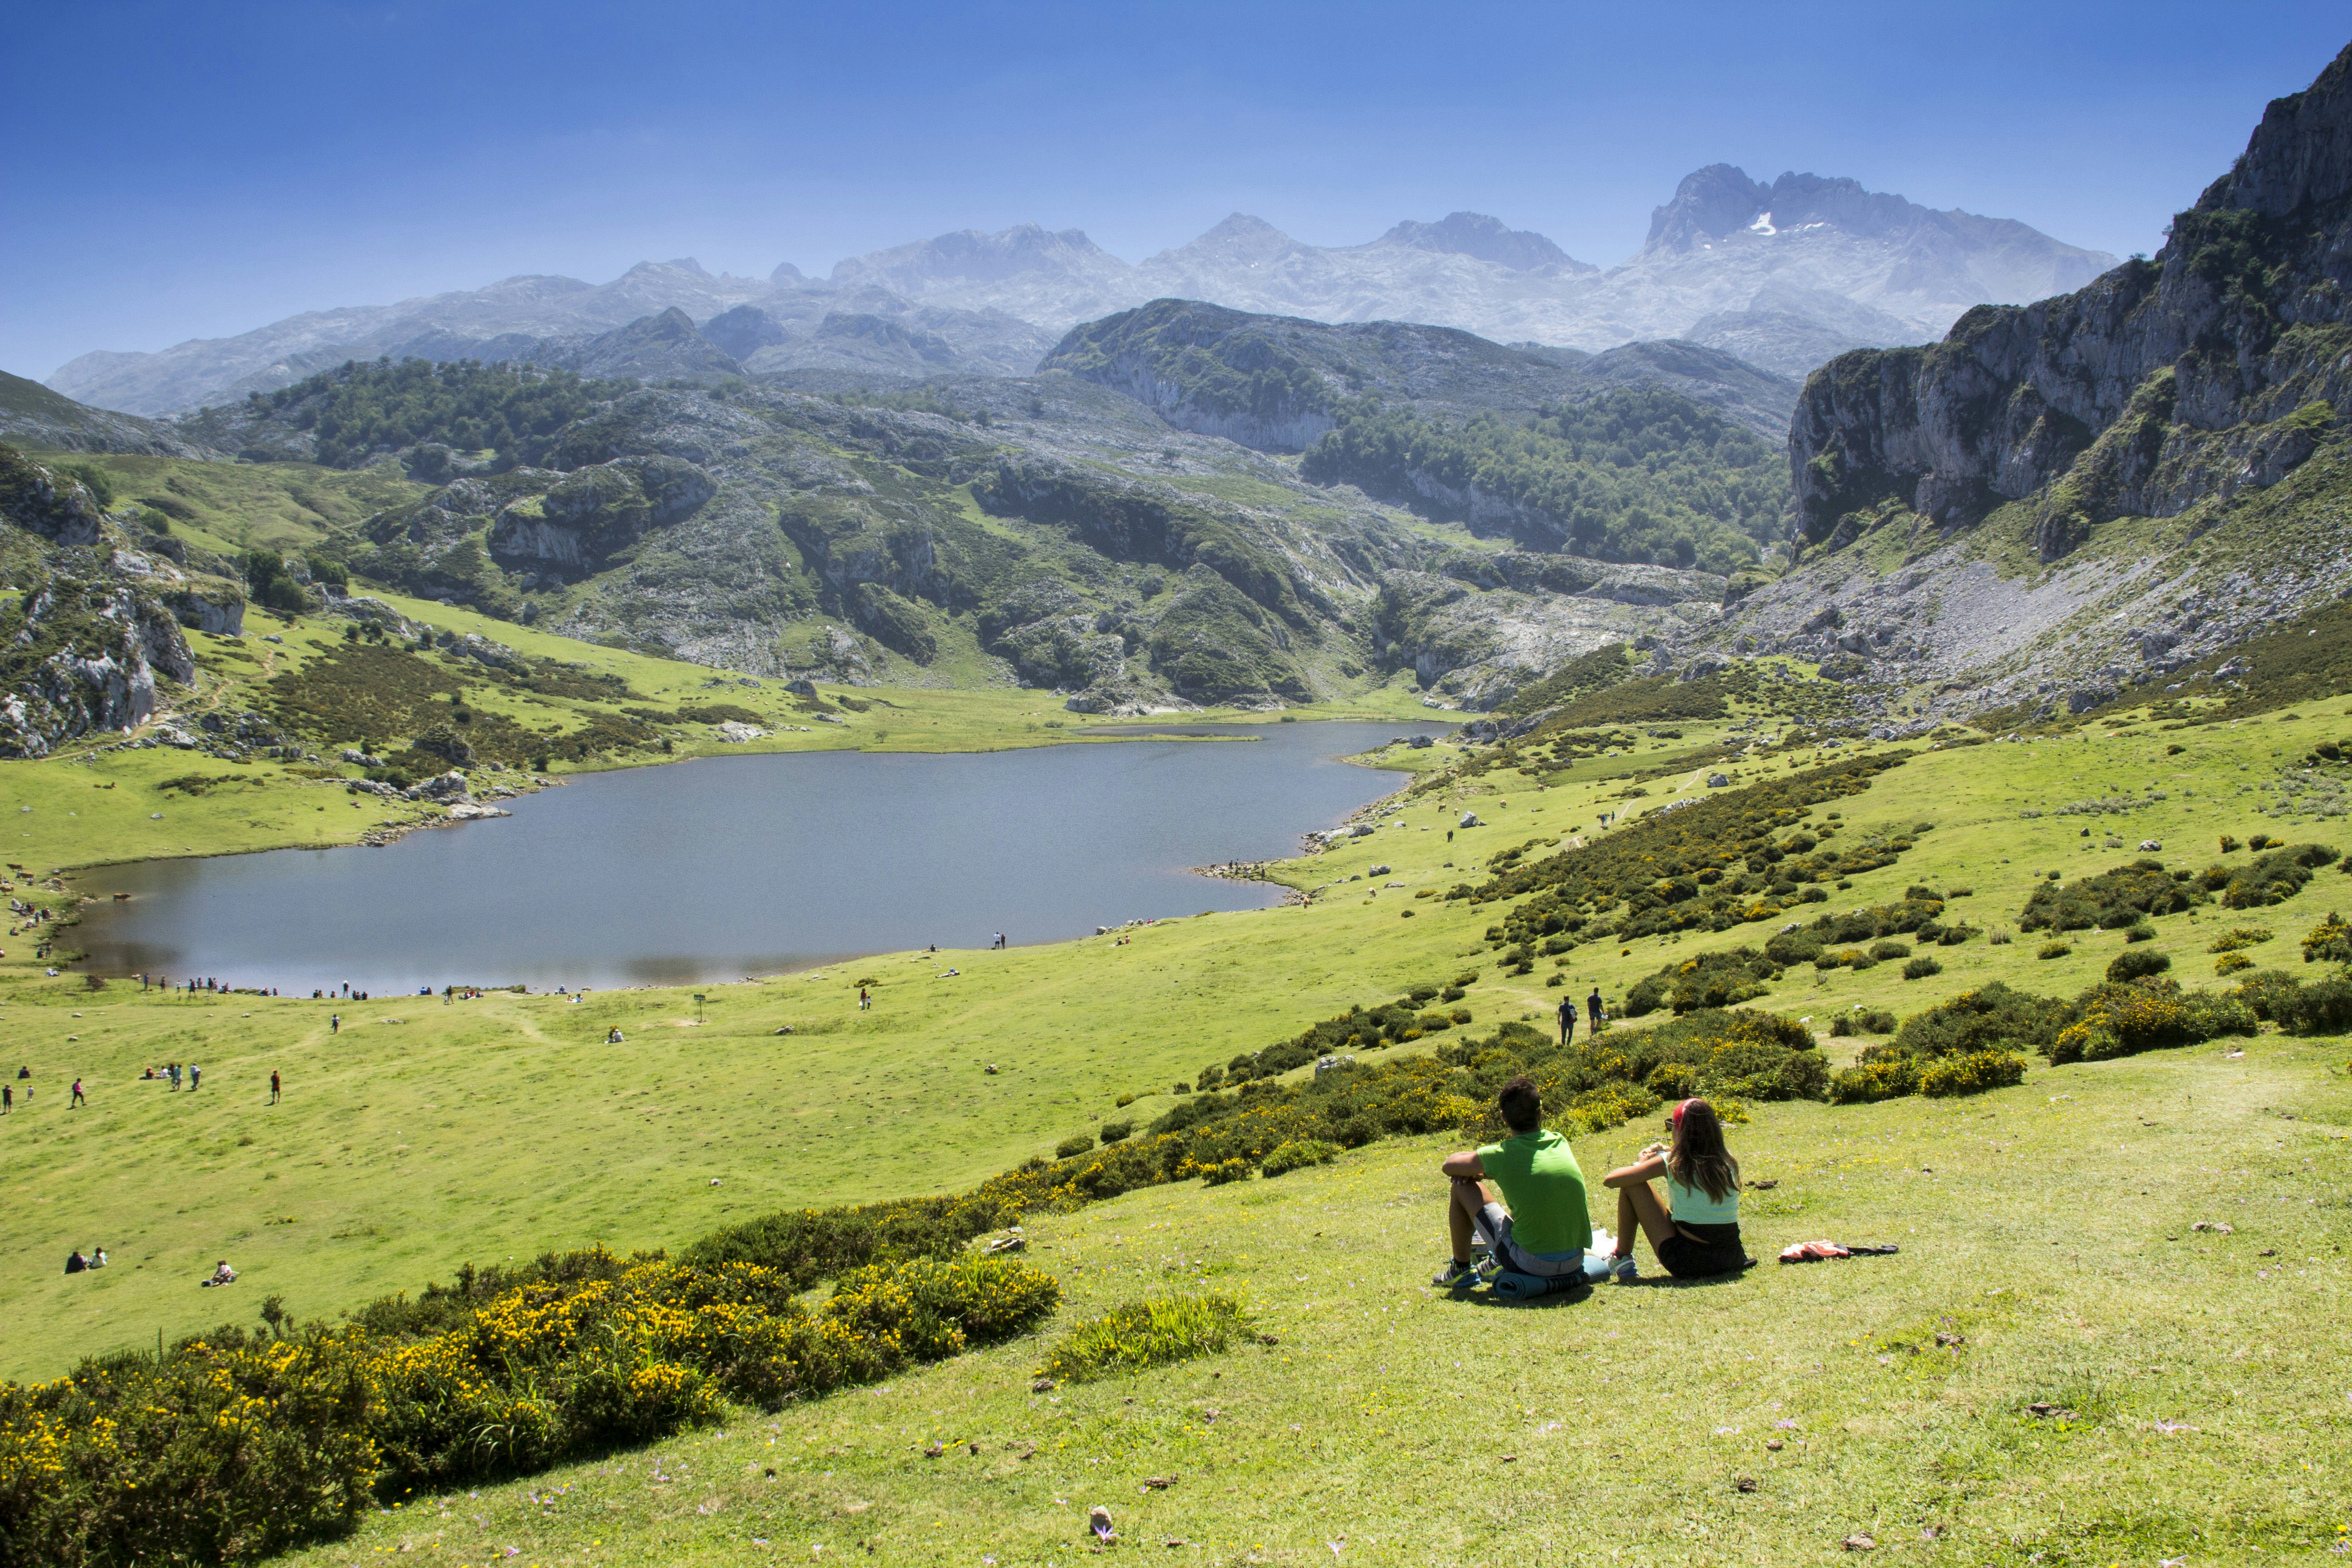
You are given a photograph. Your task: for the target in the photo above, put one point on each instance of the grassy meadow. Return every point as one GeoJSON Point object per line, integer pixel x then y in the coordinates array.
{"type": "Point", "coordinates": [2197, 1381]}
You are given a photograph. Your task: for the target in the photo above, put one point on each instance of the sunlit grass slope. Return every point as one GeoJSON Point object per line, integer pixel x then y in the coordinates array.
{"type": "Point", "coordinates": [2193, 1381]}
{"type": "Point", "coordinates": [504, 1126]}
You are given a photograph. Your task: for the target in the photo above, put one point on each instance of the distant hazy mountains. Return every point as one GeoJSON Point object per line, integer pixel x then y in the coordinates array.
{"type": "Point", "coordinates": [1785, 276]}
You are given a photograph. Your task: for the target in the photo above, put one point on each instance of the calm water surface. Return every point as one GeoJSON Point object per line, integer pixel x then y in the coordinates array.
{"type": "Point", "coordinates": [732, 865]}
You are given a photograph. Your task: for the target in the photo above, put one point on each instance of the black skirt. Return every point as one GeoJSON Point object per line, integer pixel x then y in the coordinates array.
{"type": "Point", "coordinates": [1717, 1250]}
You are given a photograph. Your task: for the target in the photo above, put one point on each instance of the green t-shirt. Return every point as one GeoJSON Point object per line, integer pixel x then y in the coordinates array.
{"type": "Point", "coordinates": [1544, 1187]}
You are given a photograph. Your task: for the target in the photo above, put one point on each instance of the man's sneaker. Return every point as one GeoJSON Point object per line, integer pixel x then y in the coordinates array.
{"type": "Point", "coordinates": [1456, 1275]}
{"type": "Point", "coordinates": [1622, 1272]}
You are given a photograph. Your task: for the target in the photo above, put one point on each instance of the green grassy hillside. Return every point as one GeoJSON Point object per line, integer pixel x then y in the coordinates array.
{"type": "Point", "coordinates": [2046, 1227]}
{"type": "Point", "coordinates": [2192, 1379]}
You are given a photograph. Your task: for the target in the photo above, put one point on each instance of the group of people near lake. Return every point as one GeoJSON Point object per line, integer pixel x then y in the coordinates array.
{"type": "Point", "coordinates": [1523, 1202]}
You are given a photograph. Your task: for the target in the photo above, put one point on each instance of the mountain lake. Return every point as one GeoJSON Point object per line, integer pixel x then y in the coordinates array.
{"type": "Point", "coordinates": [727, 867]}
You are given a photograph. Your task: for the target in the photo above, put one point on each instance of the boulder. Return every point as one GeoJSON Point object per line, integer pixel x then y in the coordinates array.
{"type": "Point", "coordinates": [1470, 819]}
{"type": "Point", "coordinates": [1718, 781]}
{"type": "Point", "coordinates": [736, 730]}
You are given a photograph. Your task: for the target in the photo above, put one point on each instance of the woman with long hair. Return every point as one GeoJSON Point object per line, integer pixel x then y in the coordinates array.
{"type": "Point", "coordinates": [1694, 1229]}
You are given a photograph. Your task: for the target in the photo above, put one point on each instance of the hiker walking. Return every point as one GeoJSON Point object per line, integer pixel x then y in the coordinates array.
{"type": "Point", "coordinates": [79, 1100]}
{"type": "Point", "coordinates": [7, 1097]}
{"type": "Point", "coordinates": [864, 1000]}
{"type": "Point", "coordinates": [273, 1086]}
{"type": "Point", "coordinates": [1567, 1018]}
{"type": "Point", "coordinates": [1592, 1005]}
{"type": "Point", "coordinates": [334, 1023]}
{"type": "Point", "coordinates": [196, 1078]}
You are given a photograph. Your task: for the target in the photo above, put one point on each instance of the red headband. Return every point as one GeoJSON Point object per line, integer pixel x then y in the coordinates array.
{"type": "Point", "coordinates": [1685, 1105]}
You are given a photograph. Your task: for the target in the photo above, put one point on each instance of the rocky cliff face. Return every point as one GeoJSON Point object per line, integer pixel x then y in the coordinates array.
{"type": "Point", "coordinates": [82, 646]}
{"type": "Point", "coordinates": [2219, 364]}
{"type": "Point", "coordinates": [2063, 501]}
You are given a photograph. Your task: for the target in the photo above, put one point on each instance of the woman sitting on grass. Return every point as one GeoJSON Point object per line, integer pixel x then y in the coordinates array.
{"type": "Point", "coordinates": [1696, 1228]}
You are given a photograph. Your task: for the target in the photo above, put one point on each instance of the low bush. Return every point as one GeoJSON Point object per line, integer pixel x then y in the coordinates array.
{"type": "Point", "coordinates": [1974, 1073]}
{"type": "Point", "coordinates": [1883, 950]}
{"type": "Point", "coordinates": [2146, 1015]}
{"type": "Point", "coordinates": [2112, 899]}
{"type": "Point", "coordinates": [2248, 936]}
{"type": "Point", "coordinates": [2276, 876]}
{"type": "Point", "coordinates": [1299, 1154]}
{"type": "Point", "coordinates": [1711, 980]}
{"type": "Point", "coordinates": [1115, 1131]}
{"type": "Point", "coordinates": [2329, 942]}
{"type": "Point", "coordinates": [1076, 1144]}
{"type": "Point", "coordinates": [233, 1445]}
{"type": "Point", "coordinates": [1921, 968]}
{"type": "Point", "coordinates": [1159, 1330]}
{"type": "Point", "coordinates": [2230, 962]}
{"type": "Point", "coordinates": [2132, 963]}
{"type": "Point", "coordinates": [2140, 933]}
{"type": "Point", "coordinates": [1219, 1173]}
{"type": "Point", "coordinates": [2052, 950]}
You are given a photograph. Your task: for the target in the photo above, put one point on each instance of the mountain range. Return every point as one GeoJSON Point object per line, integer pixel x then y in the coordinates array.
{"type": "Point", "coordinates": [1783, 274]}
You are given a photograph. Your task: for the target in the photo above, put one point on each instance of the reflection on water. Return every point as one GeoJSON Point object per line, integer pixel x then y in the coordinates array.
{"type": "Point", "coordinates": [734, 866]}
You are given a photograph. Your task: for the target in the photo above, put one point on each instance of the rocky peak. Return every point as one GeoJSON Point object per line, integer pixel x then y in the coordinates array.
{"type": "Point", "coordinates": [659, 347]}
{"type": "Point", "coordinates": [1709, 203]}
{"type": "Point", "coordinates": [1240, 240]}
{"type": "Point", "coordinates": [2192, 360]}
{"type": "Point", "coordinates": [968, 256]}
{"type": "Point", "coordinates": [1485, 239]}
{"type": "Point", "coordinates": [2300, 155]}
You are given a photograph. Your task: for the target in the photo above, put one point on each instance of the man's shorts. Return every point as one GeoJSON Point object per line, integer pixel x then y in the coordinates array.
{"type": "Point", "coordinates": [1495, 1225]}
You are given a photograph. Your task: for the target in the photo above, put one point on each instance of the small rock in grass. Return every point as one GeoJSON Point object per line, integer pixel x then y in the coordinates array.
{"type": "Point", "coordinates": [1859, 1543]}
{"type": "Point", "coordinates": [1744, 1483]}
{"type": "Point", "coordinates": [932, 1451]}
{"type": "Point", "coordinates": [1159, 1483]}
{"type": "Point", "coordinates": [1774, 1444]}
{"type": "Point", "coordinates": [1043, 1385]}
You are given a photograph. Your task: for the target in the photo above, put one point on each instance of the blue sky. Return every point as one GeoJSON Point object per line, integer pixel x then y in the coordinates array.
{"type": "Point", "coordinates": [176, 171]}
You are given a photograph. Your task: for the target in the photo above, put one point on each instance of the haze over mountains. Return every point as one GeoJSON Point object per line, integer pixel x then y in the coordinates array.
{"type": "Point", "coordinates": [1784, 275]}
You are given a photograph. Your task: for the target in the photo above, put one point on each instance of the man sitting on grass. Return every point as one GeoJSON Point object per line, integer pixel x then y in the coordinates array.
{"type": "Point", "coordinates": [1548, 1227]}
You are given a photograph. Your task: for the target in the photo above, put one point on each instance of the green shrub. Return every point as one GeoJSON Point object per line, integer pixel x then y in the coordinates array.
{"type": "Point", "coordinates": [2113, 899]}
{"type": "Point", "coordinates": [1890, 1079]}
{"type": "Point", "coordinates": [2131, 964]}
{"type": "Point", "coordinates": [1921, 968]}
{"type": "Point", "coordinates": [2230, 962]}
{"type": "Point", "coordinates": [1076, 1144]}
{"type": "Point", "coordinates": [2329, 942]}
{"type": "Point", "coordinates": [2121, 1020]}
{"type": "Point", "coordinates": [2052, 950]}
{"type": "Point", "coordinates": [2276, 876]}
{"type": "Point", "coordinates": [1298, 1153]}
{"type": "Point", "coordinates": [235, 1445]}
{"type": "Point", "coordinates": [1710, 980]}
{"type": "Point", "coordinates": [1219, 1173]}
{"type": "Point", "coordinates": [1974, 1073]}
{"type": "Point", "coordinates": [1116, 1132]}
{"type": "Point", "coordinates": [1883, 950]}
{"type": "Point", "coordinates": [1159, 1330]}
{"type": "Point", "coordinates": [1843, 1023]}
{"type": "Point", "coordinates": [2140, 933]}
